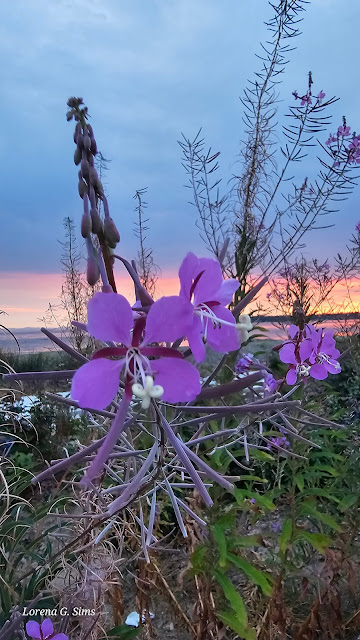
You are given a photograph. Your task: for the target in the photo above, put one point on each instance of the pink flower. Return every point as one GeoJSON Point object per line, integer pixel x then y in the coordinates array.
{"type": "Point", "coordinates": [110, 318]}
{"type": "Point", "coordinates": [310, 352]}
{"type": "Point", "coordinates": [45, 631]}
{"type": "Point", "coordinates": [204, 316]}
{"type": "Point", "coordinates": [343, 131]}
{"type": "Point", "coordinates": [358, 227]}
{"type": "Point", "coordinates": [306, 99]}
{"type": "Point", "coordinates": [320, 97]}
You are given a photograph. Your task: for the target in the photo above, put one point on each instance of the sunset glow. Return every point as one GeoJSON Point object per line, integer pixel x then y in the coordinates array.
{"type": "Point", "coordinates": [26, 296]}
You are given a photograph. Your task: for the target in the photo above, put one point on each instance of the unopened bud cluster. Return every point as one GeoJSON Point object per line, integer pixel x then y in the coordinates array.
{"type": "Point", "coordinates": [90, 188]}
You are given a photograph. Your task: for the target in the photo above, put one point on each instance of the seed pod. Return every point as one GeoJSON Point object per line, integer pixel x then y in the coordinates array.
{"type": "Point", "coordinates": [82, 187]}
{"type": "Point", "coordinates": [99, 187]}
{"type": "Point", "coordinates": [80, 140]}
{"type": "Point", "coordinates": [96, 221]}
{"type": "Point", "coordinates": [93, 175]}
{"type": "Point", "coordinates": [77, 132]}
{"type": "Point", "coordinates": [87, 141]}
{"type": "Point", "coordinates": [86, 225]}
{"type": "Point", "coordinates": [77, 156]}
{"type": "Point", "coordinates": [111, 233]}
{"type": "Point", "coordinates": [85, 168]}
{"type": "Point", "coordinates": [92, 272]}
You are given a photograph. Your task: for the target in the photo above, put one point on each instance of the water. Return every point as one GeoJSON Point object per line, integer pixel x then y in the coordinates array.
{"type": "Point", "coordinates": [30, 339]}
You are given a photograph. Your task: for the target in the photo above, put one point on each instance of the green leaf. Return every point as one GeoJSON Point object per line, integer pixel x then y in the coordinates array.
{"type": "Point", "coordinates": [233, 596]}
{"type": "Point", "coordinates": [261, 499]}
{"type": "Point", "coordinates": [198, 559]}
{"type": "Point", "coordinates": [258, 454]}
{"type": "Point", "coordinates": [299, 481]}
{"type": "Point", "coordinates": [229, 619]}
{"type": "Point", "coordinates": [325, 467]}
{"type": "Point", "coordinates": [219, 535]}
{"type": "Point", "coordinates": [248, 541]}
{"type": "Point", "coordinates": [321, 493]}
{"type": "Point", "coordinates": [326, 518]}
{"type": "Point", "coordinates": [319, 541]}
{"type": "Point", "coordinates": [258, 577]}
{"type": "Point", "coordinates": [286, 534]}
{"type": "Point", "coordinates": [348, 501]}
{"type": "Point", "coordinates": [253, 479]}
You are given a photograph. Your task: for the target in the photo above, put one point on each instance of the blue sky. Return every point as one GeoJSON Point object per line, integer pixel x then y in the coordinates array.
{"type": "Point", "coordinates": [148, 70]}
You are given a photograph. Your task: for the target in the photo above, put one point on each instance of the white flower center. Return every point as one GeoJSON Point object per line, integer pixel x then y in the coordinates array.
{"type": "Point", "coordinates": [137, 366]}
{"type": "Point", "coordinates": [323, 357]}
{"type": "Point", "coordinates": [148, 391]}
{"type": "Point", "coordinates": [302, 369]}
{"type": "Point", "coordinates": [206, 315]}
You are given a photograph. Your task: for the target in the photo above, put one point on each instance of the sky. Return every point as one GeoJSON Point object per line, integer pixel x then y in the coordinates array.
{"type": "Point", "coordinates": [147, 70]}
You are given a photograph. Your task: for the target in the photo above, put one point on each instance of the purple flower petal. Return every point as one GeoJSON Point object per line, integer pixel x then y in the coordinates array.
{"type": "Point", "coordinates": [60, 636]}
{"type": "Point", "coordinates": [210, 282]}
{"type": "Point", "coordinates": [33, 629]}
{"type": "Point", "coordinates": [318, 372]}
{"type": "Point", "coordinates": [224, 338]}
{"type": "Point", "coordinates": [305, 350]}
{"type": "Point", "coordinates": [226, 292]}
{"type": "Point", "coordinates": [196, 343]}
{"type": "Point", "coordinates": [110, 317]}
{"type": "Point", "coordinates": [328, 343]}
{"type": "Point", "coordinates": [188, 271]}
{"type": "Point", "coordinates": [179, 379]}
{"type": "Point", "coordinates": [332, 366]}
{"type": "Point", "coordinates": [291, 376]}
{"type": "Point", "coordinates": [95, 384]}
{"type": "Point", "coordinates": [287, 353]}
{"type": "Point", "coordinates": [293, 331]}
{"type": "Point", "coordinates": [168, 319]}
{"type": "Point", "coordinates": [47, 628]}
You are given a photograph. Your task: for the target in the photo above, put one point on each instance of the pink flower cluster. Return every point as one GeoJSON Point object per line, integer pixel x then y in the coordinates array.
{"type": "Point", "coordinates": [306, 99]}
{"type": "Point", "coordinates": [310, 352]}
{"type": "Point", "coordinates": [351, 144]}
{"type": "Point", "coordinates": [134, 339]}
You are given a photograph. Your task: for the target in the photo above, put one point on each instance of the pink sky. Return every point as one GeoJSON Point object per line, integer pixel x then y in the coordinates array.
{"type": "Point", "coordinates": [26, 296]}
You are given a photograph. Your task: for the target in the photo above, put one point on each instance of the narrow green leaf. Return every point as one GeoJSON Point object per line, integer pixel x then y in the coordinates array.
{"type": "Point", "coordinates": [319, 541]}
{"type": "Point", "coordinates": [326, 518]}
{"type": "Point", "coordinates": [300, 482]}
{"type": "Point", "coordinates": [233, 596]}
{"type": "Point", "coordinates": [229, 619]}
{"type": "Point", "coordinates": [219, 535]}
{"type": "Point", "coordinates": [285, 535]}
{"type": "Point", "coordinates": [258, 577]}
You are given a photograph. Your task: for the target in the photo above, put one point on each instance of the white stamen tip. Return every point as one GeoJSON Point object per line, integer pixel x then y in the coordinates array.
{"type": "Point", "coordinates": [147, 392]}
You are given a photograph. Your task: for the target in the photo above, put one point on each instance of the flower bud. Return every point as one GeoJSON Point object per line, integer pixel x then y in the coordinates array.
{"type": "Point", "coordinates": [93, 175]}
{"type": "Point", "coordinates": [77, 132]}
{"type": "Point", "coordinates": [96, 220]}
{"type": "Point", "coordinates": [80, 140]}
{"type": "Point", "coordinates": [86, 225]}
{"type": "Point", "coordinates": [69, 115]}
{"type": "Point", "coordinates": [77, 156]}
{"type": "Point", "coordinates": [87, 142]}
{"type": "Point", "coordinates": [93, 147]}
{"type": "Point", "coordinates": [82, 186]}
{"type": "Point", "coordinates": [111, 233]}
{"type": "Point", "coordinates": [92, 271]}
{"type": "Point", "coordinates": [85, 167]}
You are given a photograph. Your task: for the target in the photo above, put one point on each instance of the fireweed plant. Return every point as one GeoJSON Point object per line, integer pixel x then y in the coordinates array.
{"type": "Point", "coordinates": [139, 378]}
